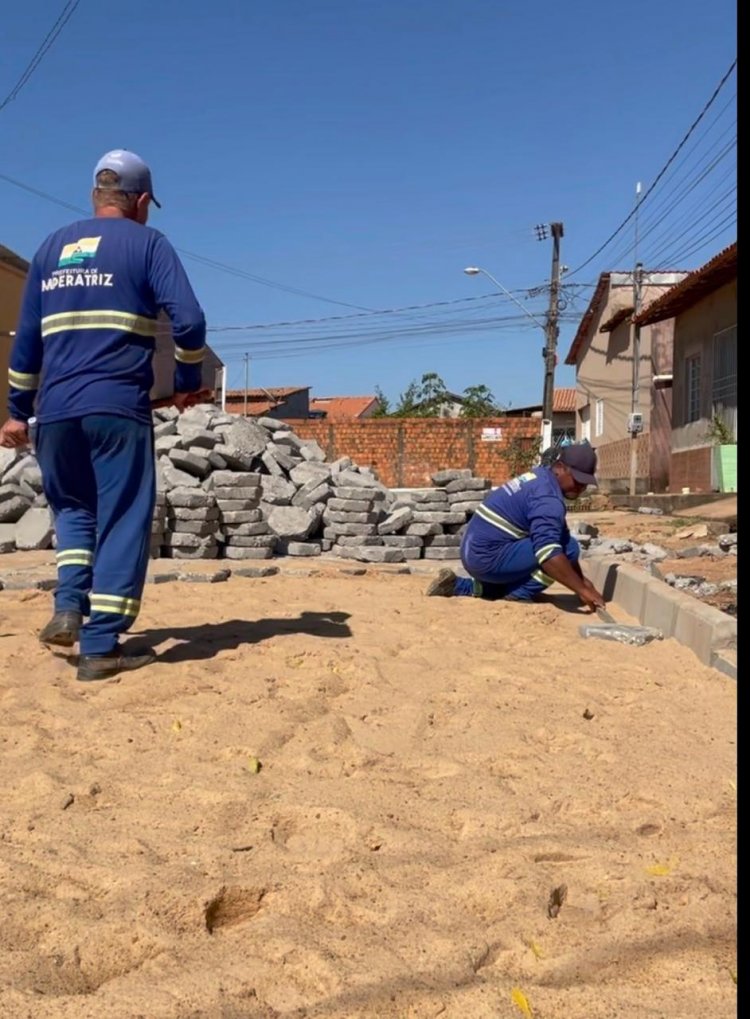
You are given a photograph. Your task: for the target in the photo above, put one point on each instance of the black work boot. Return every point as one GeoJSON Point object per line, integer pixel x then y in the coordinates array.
{"type": "Point", "coordinates": [62, 630]}
{"type": "Point", "coordinates": [94, 667]}
{"type": "Point", "coordinates": [443, 586]}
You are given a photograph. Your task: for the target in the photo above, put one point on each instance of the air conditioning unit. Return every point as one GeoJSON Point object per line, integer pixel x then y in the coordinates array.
{"type": "Point", "coordinates": [635, 423]}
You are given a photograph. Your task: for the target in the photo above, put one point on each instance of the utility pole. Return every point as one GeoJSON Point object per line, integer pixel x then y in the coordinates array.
{"type": "Point", "coordinates": [635, 418]}
{"type": "Point", "coordinates": [552, 332]}
{"type": "Point", "coordinates": [246, 358]}
{"type": "Point", "coordinates": [635, 423]}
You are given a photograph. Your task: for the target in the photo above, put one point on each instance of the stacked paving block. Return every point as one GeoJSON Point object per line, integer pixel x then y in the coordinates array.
{"type": "Point", "coordinates": [231, 488]}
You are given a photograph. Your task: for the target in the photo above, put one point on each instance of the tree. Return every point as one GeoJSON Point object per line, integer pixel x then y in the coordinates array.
{"type": "Point", "coordinates": [426, 397]}
{"type": "Point", "coordinates": [479, 402]}
{"type": "Point", "coordinates": [384, 404]}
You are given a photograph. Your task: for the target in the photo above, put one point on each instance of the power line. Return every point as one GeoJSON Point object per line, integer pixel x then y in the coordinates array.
{"type": "Point", "coordinates": [663, 170]}
{"type": "Point", "coordinates": [210, 262]}
{"type": "Point", "coordinates": [44, 47]}
{"type": "Point", "coordinates": [347, 318]}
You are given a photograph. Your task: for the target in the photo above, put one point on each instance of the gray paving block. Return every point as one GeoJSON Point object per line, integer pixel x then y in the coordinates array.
{"type": "Point", "coordinates": [34, 530]}
{"type": "Point", "coordinates": [348, 540]}
{"type": "Point", "coordinates": [467, 508]}
{"type": "Point", "coordinates": [438, 517]}
{"type": "Point", "coordinates": [190, 498]}
{"type": "Point", "coordinates": [201, 528]}
{"type": "Point", "coordinates": [251, 541]}
{"type": "Point", "coordinates": [308, 498]}
{"type": "Point", "coordinates": [403, 540]}
{"type": "Point", "coordinates": [209, 577]}
{"type": "Point", "coordinates": [368, 494]}
{"type": "Point", "coordinates": [248, 516]}
{"type": "Point", "coordinates": [173, 477]}
{"type": "Point", "coordinates": [444, 477]}
{"type": "Point", "coordinates": [396, 521]}
{"type": "Point", "coordinates": [350, 505]}
{"type": "Point", "coordinates": [442, 541]}
{"type": "Point", "coordinates": [257, 527]}
{"type": "Point", "coordinates": [348, 530]}
{"type": "Point", "coordinates": [203, 552]}
{"type": "Point", "coordinates": [423, 530]}
{"type": "Point", "coordinates": [13, 509]}
{"type": "Point", "coordinates": [371, 553]}
{"type": "Point", "coordinates": [234, 552]}
{"type": "Point", "coordinates": [441, 553]}
{"type": "Point", "coordinates": [255, 571]}
{"type": "Point", "coordinates": [467, 485]}
{"type": "Point", "coordinates": [302, 548]}
{"type": "Point", "coordinates": [198, 466]}
{"type": "Point", "coordinates": [661, 607]}
{"type": "Point", "coordinates": [235, 492]}
{"type": "Point", "coordinates": [183, 513]}
{"type": "Point", "coordinates": [726, 661]}
{"type": "Point", "coordinates": [704, 628]}
{"type": "Point", "coordinates": [340, 517]}
{"type": "Point", "coordinates": [631, 583]}
{"type": "Point", "coordinates": [430, 495]}
{"type": "Point", "coordinates": [228, 479]}
{"type": "Point", "coordinates": [165, 443]}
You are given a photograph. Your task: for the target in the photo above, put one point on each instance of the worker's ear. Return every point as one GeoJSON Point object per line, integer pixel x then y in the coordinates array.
{"type": "Point", "coordinates": [141, 209]}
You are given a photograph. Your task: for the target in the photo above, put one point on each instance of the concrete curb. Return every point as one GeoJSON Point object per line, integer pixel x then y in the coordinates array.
{"type": "Point", "coordinates": [708, 632]}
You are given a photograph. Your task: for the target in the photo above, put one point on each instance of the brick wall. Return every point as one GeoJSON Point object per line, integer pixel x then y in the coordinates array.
{"type": "Point", "coordinates": [406, 451]}
{"type": "Point", "coordinates": [691, 468]}
{"type": "Point", "coordinates": [613, 470]}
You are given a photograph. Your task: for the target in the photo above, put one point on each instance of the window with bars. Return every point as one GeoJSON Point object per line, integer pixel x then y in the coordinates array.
{"type": "Point", "coordinates": [599, 418]}
{"type": "Point", "coordinates": [692, 388]}
{"type": "Point", "coordinates": [585, 417]}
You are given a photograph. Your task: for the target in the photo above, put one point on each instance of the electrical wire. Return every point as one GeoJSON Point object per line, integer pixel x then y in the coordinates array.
{"type": "Point", "coordinates": [661, 172]}
{"type": "Point", "coordinates": [42, 50]}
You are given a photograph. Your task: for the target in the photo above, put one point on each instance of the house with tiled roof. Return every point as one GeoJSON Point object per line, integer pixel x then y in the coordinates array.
{"type": "Point", "coordinates": [702, 382]}
{"type": "Point", "coordinates": [608, 389]}
{"type": "Point", "coordinates": [343, 408]}
{"type": "Point", "coordinates": [563, 414]}
{"type": "Point", "coordinates": [275, 402]}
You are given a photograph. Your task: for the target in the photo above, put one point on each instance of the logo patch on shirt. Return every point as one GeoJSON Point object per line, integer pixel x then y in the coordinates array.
{"type": "Point", "coordinates": [78, 252]}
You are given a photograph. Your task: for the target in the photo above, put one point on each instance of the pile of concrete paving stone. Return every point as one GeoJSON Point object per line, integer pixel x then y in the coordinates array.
{"type": "Point", "coordinates": [231, 488]}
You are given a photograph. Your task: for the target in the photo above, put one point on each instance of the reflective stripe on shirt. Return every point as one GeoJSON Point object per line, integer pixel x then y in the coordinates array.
{"type": "Point", "coordinates": [102, 319]}
{"type": "Point", "coordinates": [500, 522]}
{"type": "Point", "coordinates": [21, 380]}
{"type": "Point", "coordinates": [189, 356]}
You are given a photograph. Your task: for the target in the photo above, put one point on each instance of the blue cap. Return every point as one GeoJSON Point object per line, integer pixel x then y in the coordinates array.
{"type": "Point", "coordinates": [134, 174]}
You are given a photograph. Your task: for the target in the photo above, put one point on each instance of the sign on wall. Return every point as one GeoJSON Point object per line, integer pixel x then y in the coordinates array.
{"type": "Point", "coordinates": [492, 435]}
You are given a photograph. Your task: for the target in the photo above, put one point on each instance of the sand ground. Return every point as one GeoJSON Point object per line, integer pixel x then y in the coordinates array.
{"type": "Point", "coordinates": [333, 797]}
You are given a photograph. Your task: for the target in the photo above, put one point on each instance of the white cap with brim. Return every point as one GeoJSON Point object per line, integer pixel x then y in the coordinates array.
{"type": "Point", "coordinates": [134, 174]}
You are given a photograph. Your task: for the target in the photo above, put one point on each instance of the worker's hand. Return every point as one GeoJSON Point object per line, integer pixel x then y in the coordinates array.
{"type": "Point", "coordinates": [591, 597]}
{"type": "Point", "coordinates": [182, 401]}
{"type": "Point", "coordinates": [14, 434]}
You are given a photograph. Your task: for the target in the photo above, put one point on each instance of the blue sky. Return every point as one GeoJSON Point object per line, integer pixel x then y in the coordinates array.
{"type": "Point", "coordinates": [366, 151]}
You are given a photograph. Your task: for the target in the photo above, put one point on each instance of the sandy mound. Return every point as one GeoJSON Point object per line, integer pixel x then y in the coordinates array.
{"type": "Point", "coordinates": [432, 772]}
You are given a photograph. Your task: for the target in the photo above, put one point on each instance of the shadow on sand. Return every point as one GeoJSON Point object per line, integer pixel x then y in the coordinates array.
{"type": "Point", "coordinates": [196, 643]}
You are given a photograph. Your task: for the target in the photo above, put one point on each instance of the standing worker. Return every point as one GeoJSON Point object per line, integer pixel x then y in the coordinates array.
{"type": "Point", "coordinates": [518, 541]}
{"type": "Point", "coordinates": [81, 362]}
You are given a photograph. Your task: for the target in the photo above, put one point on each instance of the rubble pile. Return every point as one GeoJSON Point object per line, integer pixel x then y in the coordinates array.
{"type": "Point", "coordinates": [231, 488]}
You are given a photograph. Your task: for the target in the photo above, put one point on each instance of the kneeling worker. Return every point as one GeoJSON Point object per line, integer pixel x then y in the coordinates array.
{"type": "Point", "coordinates": [518, 541]}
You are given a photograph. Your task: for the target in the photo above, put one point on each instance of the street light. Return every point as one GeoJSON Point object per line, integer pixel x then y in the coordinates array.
{"type": "Point", "coordinates": [475, 270]}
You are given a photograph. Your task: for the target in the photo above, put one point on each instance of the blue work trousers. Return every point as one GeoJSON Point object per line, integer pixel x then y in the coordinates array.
{"type": "Point", "coordinates": [99, 478]}
{"type": "Point", "coordinates": [512, 571]}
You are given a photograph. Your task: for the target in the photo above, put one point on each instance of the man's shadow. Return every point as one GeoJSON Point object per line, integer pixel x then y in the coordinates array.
{"type": "Point", "coordinates": [196, 643]}
{"type": "Point", "coordinates": [565, 602]}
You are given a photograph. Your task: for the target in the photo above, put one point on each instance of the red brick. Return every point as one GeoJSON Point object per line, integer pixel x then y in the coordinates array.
{"type": "Point", "coordinates": [406, 451]}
